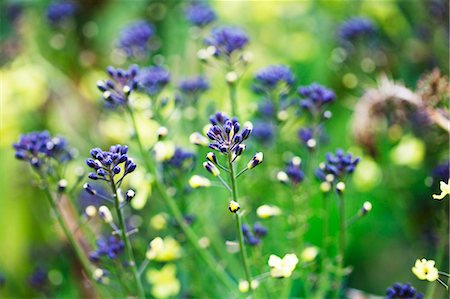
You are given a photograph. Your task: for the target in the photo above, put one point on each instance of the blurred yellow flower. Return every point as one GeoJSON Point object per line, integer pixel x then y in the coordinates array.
{"type": "Point", "coordinates": [445, 190]}
{"type": "Point", "coordinates": [409, 152]}
{"type": "Point", "coordinates": [164, 282]}
{"type": "Point", "coordinates": [163, 250]}
{"type": "Point", "coordinates": [243, 285]}
{"type": "Point", "coordinates": [164, 150]}
{"type": "Point", "coordinates": [282, 267]}
{"type": "Point", "coordinates": [425, 270]}
{"type": "Point", "coordinates": [309, 254]}
{"type": "Point", "coordinates": [158, 222]}
{"type": "Point", "coordinates": [197, 181]}
{"type": "Point", "coordinates": [140, 181]}
{"type": "Point", "coordinates": [267, 211]}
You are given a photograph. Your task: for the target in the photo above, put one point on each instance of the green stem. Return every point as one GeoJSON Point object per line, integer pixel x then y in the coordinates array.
{"type": "Point", "coordinates": [128, 249]}
{"type": "Point", "coordinates": [242, 250]}
{"type": "Point", "coordinates": [192, 238]}
{"type": "Point", "coordinates": [143, 266]}
{"type": "Point", "coordinates": [342, 241]}
{"type": "Point", "coordinates": [78, 250]}
{"type": "Point", "coordinates": [439, 255]}
{"type": "Point", "coordinates": [142, 151]}
{"type": "Point", "coordinates": [325, 225]}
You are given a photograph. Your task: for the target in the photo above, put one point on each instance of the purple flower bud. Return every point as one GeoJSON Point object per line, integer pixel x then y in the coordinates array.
{"type": "Point", "coordinates": [116, 169]}
{"type": "Point", "coordinates": [92, 176]}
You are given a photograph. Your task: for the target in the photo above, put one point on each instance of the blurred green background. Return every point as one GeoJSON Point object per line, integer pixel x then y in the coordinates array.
{"type": "Point", "coordinates": [48, 82]}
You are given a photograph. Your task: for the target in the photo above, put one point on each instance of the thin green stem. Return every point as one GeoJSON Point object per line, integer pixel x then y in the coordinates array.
{"type": "Point", "coordinates": [192, 238]}
{"type": "Point", "coordinates": [442, 283]}
{"type": "Point", "coordinates": [241, 172]}
{"type": "Point", "coordinates": [142, 151]}
{"type": "Point", "coordinates": [224, 183]}
{"type": "Point", "coordinates": [444, 273]}
{"type": "Point", "coordinates": [440, 254]}
{"type": "Point", "coordinates": [75, 245]}
{"type": "Point", "coordinates": [342, 239]}
{"type": "Point", "coordinates": [240, 234]}
{"type": "Point", "coordinates": [325, 220]}
{"type": "Point", "coordinates": [128, 249]}
{"type": "Point", "coordinates": [143, 266]}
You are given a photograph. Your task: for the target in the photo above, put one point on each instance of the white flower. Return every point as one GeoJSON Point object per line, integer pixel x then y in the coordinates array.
{"type": "Point", "coordinates": [282, 267]}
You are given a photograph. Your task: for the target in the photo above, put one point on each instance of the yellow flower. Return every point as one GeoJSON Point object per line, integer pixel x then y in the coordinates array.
{"type": "Point", "coordinates": [282, 267]}
{"type": "Point", "coordinates": [425, 270]}
{"type": "Point", "coordinates": [164, 282]}
{"type": "Point", "coordinates": [158, 222]}
{"type": "Point", "coordinates": [445, 190]}
{"type": "Point", "coordinates": [309, 254]}
{"type": "Point", "coordinates": [243, 285]}
{"type": "Point", "coordinates": [163, 250]}
{"type": "Point", "coordinates": [164, 150]}
{"type": "Point", "coordinates": [267, 211]}
{"type": "Point", "coordinates": [197, 181]}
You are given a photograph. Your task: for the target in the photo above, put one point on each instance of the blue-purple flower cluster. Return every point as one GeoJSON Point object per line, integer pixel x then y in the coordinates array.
{"type": "Point", "coordinates": [224, 134]}
{"type": "Point", "coordinates": [355, 28]}
{"type": "Point", "coordinates": [271, 77]}
{"type": "Point", "coordinates": [134, 38]}
{"type": "Point", "coordinates": [117, 89]}
{"type": "Point", "coordinates": [253, 236]}
{"type": "Point", "coordinates": [59, 12]}
{"type": "Point", "coordinates": [200, 14]}
{"type": "Point", "coordinates": [153, 79]}
{"type": "Point", "coordinates": [110, 247]}
{"type": "Point", "coordinates": [108, 164]}
{"type": "Point", "coordinates": [181, 160]}
{"type": "Point", "coordinates": [38, 279]}
{"type": "Point", "coordinates": [405, 291]}
{"type": "Point", "coordinates": [338, 165]}
{"type": "Point", "coordinates": [193, 86]}
{"type": "Point", "coordinates": [38, 148]}
{"type": "Point", "coordinates": [227, 40]}
{"type": "Point", "coordinates": [294, 171]}
{"type": "Point", "coordinates": [315, 97]}
{"type": "Point", "coordinates": [306, 135]}
{"type": "Point", "coordinates": [264, 132]}
{"type": "Point", "coordinates": [442, 171]}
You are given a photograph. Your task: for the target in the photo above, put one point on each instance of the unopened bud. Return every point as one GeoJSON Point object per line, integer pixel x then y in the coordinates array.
{"type": "Point", "coordinates": [340, 187]}
{"type": "Point", "coordinates": [105, 214]}
{"type": "Point", "coordinates": [162, 133]}
{"type": "Point", "coordinates": [211, 168]}
{"type": "Point", "coordinates": [211, 157]}
{"type": "Point", "coordinates": [62, 185]}
{"type": "Point", "coordinates": [129, 195]}
{"type": "Point", "coordinates": [256, 160]}
{"type": "Point", "coordinates": [233, 206]}
{"type": "Point", "coordinates": [366, 208]}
